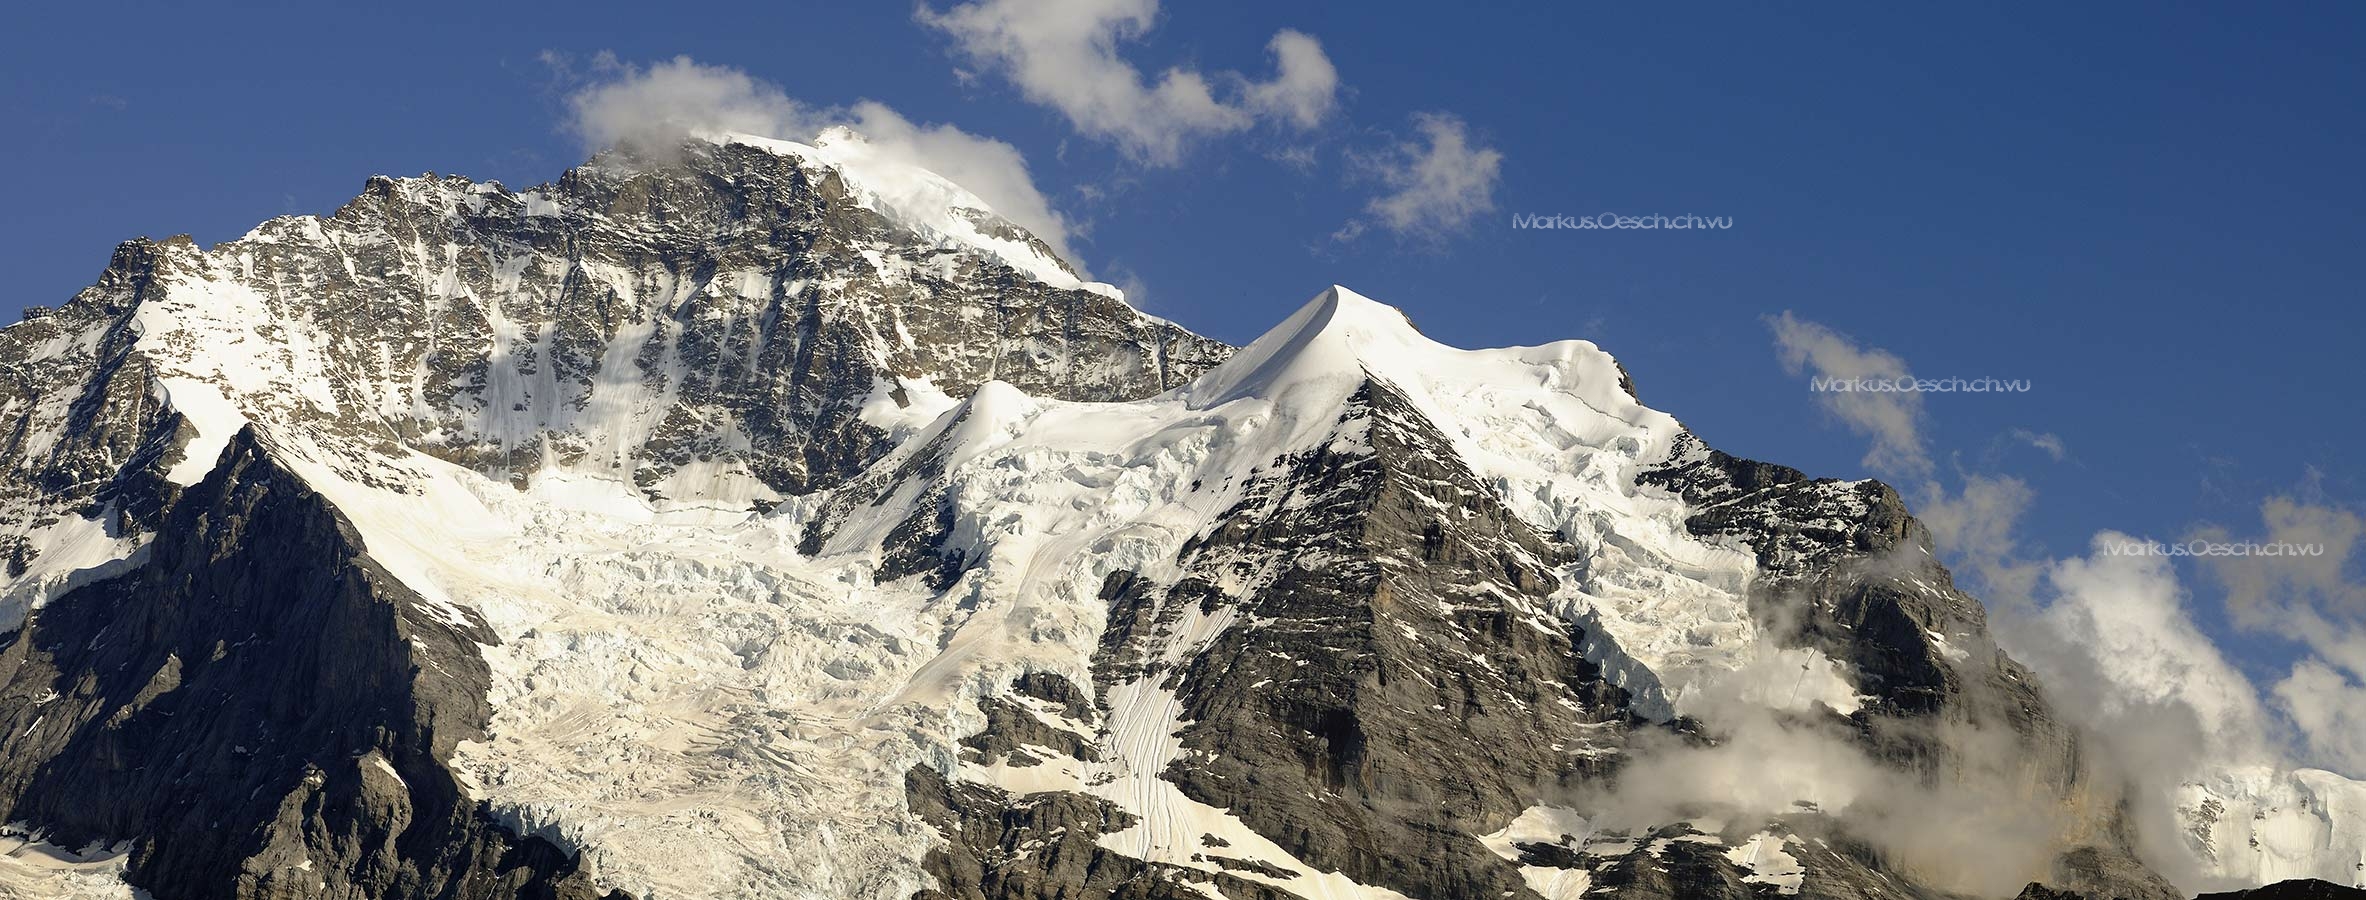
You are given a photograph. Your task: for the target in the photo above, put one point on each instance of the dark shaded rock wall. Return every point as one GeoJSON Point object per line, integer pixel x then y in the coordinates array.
{"type": "Point", "coordinates": [262, 711]}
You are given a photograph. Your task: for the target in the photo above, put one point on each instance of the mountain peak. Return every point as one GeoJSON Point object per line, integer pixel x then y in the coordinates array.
{"type": "Point", "coordinates": [1340, 336]}
{"type": "Point", "coordinates": [894, 183]}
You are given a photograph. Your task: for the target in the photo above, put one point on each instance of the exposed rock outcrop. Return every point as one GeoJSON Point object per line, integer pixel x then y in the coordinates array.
{"type": "Point", "coordinates": [261, 712]}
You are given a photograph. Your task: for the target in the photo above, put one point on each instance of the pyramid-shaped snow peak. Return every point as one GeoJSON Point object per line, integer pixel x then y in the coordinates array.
{"type": "Point", "coordinates": [1338, 340]}
{"type": "Point", "coordinates": [1328, 340]}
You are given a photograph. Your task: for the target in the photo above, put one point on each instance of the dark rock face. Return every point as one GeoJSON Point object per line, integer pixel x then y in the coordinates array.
{"type": "Point", "coordinates": [1377, 622]}
{"type": "Point", "coordinates": [81, 428]}
{"type": "Point", "coordinates": [1042, 846]}
{"type": "Point", "coordinates": [1317, 718]}
{"type": "Point", "coordinates": [1040, 709]}
{"type": "Point", "coordinates": [2037, 891]}
{"type": "Point", "coordinates": [263, 711]}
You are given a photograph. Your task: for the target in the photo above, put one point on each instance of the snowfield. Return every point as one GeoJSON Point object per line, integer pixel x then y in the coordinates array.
{"type": "Point", "coordinates": [2257, 825]}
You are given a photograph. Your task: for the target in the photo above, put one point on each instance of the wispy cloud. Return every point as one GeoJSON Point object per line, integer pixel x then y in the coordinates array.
{"type": "Point", "coordinates": [1436, 185]}
{"type": "Point", "coordinates": [1891, 419]}
{"type": "Point", "coordinates": [2045, 441]}
{"type": "Point", "coordinates": [2317, 599]}
{"type": "Point", "coordinates": [1065, 55]}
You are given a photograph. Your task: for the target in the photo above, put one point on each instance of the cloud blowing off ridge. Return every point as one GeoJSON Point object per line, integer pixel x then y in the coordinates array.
{"type": "Point", "coordinates": [655, 107]}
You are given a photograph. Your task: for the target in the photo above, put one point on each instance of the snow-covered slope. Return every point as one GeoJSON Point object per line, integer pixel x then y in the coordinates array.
{"type": "Point", "coordinates": [33, 870]}
{"type": "Point", "coordinates": [2258, 825]}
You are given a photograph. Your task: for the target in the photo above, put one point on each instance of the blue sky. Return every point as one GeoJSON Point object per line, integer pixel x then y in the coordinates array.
{"type": "Point", "coordinates": [2154, 215]}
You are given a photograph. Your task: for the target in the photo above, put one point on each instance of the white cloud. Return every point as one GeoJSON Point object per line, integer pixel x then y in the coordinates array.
{"type": "Point", "coordinates": [2305, 592]}
{"type": "Point", "coordinates": [2119, 654]}
{"type": "Point", "coordinates": [654, 108]}
{"type": "Point", "coordinates": [2329, 708]}
{"type": "Point", "coordinates": [2046, 441]}
{"type": "Point", "coordinates": [1437, 185]}
{"type": "Point", "coordinates": [2123, 619]}
{"type": "Point", "coordinates": [1064, 54]}
{"type": "Point", "coordinates": [1976, 524]}
{"type": "Point", "coordinates": [2115, 639]}
{"type": "Point", "coordinates": [2111, 633]}
{"type": "Point", "coordinates": [991, 169]}
{"type": "Point", "coordinates": [1306, 85]}
{"type": "Point", "coordinates": [1978, 527]}
{"type": "Point", "coordinates": [1977, 828]}
{"type": "Point", "coordinates": [1892, 419]}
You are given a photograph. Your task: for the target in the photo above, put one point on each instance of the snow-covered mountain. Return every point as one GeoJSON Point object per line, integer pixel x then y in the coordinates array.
{"type": "Point", "coordinates": [772, 520]}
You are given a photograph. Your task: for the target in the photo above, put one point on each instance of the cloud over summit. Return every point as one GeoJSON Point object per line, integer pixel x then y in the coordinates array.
{"type": "Point", "coordinates": [656, 106]}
